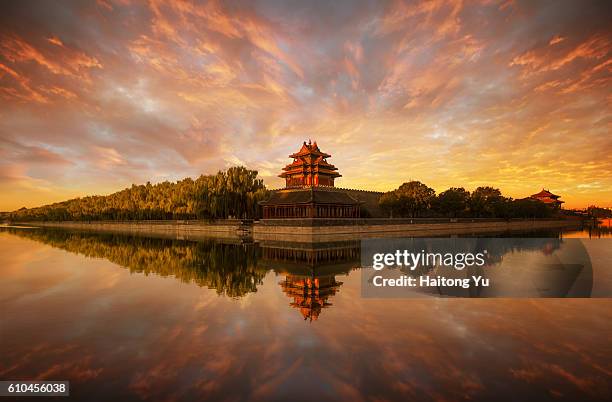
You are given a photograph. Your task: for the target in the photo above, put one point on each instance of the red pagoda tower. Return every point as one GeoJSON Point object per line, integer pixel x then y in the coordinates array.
{"type": "Point", "coordinates": [309, 190]}
{"type": "Point", "coordinates": [309, 168]}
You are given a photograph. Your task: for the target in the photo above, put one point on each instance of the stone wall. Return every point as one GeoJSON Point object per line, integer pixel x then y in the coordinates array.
{"type": "Point", "coordinates": [187, 229]}
{"type": "Point", "coordinates": [369, 199]}
{"type": "Point", "coordinates": [313, 230]}
{"type": "Point", "coordinates": [318, 233]}
{"type": "Point", "coordinates": [370, 202]}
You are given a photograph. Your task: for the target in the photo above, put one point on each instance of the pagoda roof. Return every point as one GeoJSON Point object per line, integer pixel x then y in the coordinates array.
{"type": "Point", "coordinates": [550, 200]}
{"type": "Point", "coordinates": [300, 162]}
{"type": "Point", "coordinates": [309, 149]}
{"type": "Point", "coordinates": [309, 195]}
{"type": "Point", "coordinates": [545, 193]}
{"type": "Point", "coordinates": [326, 170]}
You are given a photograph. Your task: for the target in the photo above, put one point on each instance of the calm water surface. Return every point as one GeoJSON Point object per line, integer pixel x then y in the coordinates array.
{"type": "Point", "coordinates": [134, 318]}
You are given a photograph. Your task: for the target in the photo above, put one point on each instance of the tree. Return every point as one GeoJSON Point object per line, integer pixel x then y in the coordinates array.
{"type": "Point", "coordinates": [235, 192]}
{"type": "Point", "coordinates": [409, 199]}
{"type": "Point", "coordinates": [452, 201]}
{"type": "Point", "coordinates": [528, 208]}
{"type": "Point", "coordinates": [414, 198]}
{"type": "Point", "coordinates": [482, 202]}
{"type": "Point", "coordinates": [389, 202]}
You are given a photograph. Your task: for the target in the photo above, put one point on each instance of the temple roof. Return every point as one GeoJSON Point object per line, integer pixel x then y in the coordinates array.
{"type": "Point", "coordinates": [545, 193]}
{"type": "Point", "coordinates": [309, 195]}
{"type": "Point", "coordinates": [550, 200]}
{"type": "Point", "coordinates": [309, 149]}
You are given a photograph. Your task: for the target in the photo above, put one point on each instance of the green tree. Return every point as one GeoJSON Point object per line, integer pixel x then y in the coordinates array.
{"type": "Point", "coordinates": [389, 202]}
{"type": "Point", "coordinates": [453, 201]}
{"type": "Point", "coordinates": [414, 198]}
{"type": "Point", "coordinates": [528, 208]}
{"type": "Point", "coordinates": [410, 199]}
{"type": "Point", "coordinates": [235, 192]}
{"type": "Point", "coordinates": [482, 202]}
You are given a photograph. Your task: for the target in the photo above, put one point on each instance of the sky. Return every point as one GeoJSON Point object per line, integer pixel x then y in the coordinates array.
{"type": "Point", "coordinates": [97, 95]}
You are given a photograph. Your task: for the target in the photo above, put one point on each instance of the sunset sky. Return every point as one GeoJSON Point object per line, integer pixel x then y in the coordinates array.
{"type": "Point", "coordinates": [95, 96]}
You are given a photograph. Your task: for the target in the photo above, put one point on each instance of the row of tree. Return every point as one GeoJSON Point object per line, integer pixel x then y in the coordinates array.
{"type": "Point", "coordinates": [232, 193]}
{"type": "Point", "coordinates": [598, 212]}
{"type": "Point", "coordinates": [414, 199]}
{"type": "Point", "coordinates": [235, 193]}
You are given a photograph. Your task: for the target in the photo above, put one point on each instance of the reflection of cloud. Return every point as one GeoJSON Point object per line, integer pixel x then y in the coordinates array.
{"type": "Point", "coordinates": [146, 334]}
{"type": "Point", "coordinates": [179, 89]}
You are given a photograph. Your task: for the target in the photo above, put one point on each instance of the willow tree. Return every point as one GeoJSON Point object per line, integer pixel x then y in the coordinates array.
{"type": "Point", "coordinates": [232, 193]}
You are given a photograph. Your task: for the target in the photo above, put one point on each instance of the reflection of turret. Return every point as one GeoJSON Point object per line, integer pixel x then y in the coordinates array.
{"type": "Point", "coordinates": [310, 294]}
{"type": "Point", "coordinates": [311, 253]}
{"type": "Point", "coordinates": [330, 258]}
{"type": "Point", "coordinates": [310, 270]}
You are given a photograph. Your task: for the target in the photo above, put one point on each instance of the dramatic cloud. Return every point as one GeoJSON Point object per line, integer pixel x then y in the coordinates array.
{"type": "Point", "coordinates": [97, 95]}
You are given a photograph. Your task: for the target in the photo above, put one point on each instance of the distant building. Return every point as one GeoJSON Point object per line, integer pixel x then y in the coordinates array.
{"type": "Point", "coordinates": [309, 189]}
{"type": "Point", "coordinates": [548, 198]}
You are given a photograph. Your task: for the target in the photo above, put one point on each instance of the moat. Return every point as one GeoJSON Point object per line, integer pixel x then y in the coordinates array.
{"type": "Point", "coordinates": [144, 318]}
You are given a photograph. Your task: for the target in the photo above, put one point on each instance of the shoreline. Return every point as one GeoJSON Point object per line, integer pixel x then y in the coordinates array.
{"type": "Point", "coordinates": [312, 230]}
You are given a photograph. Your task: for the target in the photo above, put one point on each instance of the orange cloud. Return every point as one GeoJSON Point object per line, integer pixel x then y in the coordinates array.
{"type": "Point", "coordinates": [449, 93]}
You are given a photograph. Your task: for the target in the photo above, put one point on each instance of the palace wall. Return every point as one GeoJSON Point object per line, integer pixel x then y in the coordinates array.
{"type": "Point", "coordinates": [313, 230]}
{"type": "Point", "coordinates": [321, 230]}
{"type": "Point", "coordinates": [178, 229]}
{"type": "Point", "coordinates": [369, 199]}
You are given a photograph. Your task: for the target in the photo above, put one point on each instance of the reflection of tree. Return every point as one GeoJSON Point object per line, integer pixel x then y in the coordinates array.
{"type": "Point", "coordinates": [495, 248]}
{"type": "Point", "coordinates": [602, 228]}
{"type": "Point", "coordinates": [310, 294]}
{"type": "Point", "coordinates": [231, 269]}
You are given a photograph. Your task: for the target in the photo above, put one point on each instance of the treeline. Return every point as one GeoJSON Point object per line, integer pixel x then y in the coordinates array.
{"type": "Point", "coordinates": [234, 193]}
{"type": "Point", "coordinates": [415, 199]}
{"type": "Point", "coordinates": [598, 212]}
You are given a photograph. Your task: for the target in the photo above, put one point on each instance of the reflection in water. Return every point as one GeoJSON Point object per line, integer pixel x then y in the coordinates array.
{"type": "Point", "coordinates": [310, 294]}
{"type": "Point", "coordinates": [118, 336]}
{"type": "Point", "coordinates": [311, 255]}
{"type": "Point", "coordinates": [236, 269]}
{"type": "Point", "coordinates": [310, 271]}
{"type": "Point", "coordinates": [231, 269]}
{"type": "Point", "coordinates": [545, 267]}
{"type": "Point", "coordinates": [600, 229]}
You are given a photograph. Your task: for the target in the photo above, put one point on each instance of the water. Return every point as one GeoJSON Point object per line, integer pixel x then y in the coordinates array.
{"type": "Point", "coordinates": [138, 318]}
